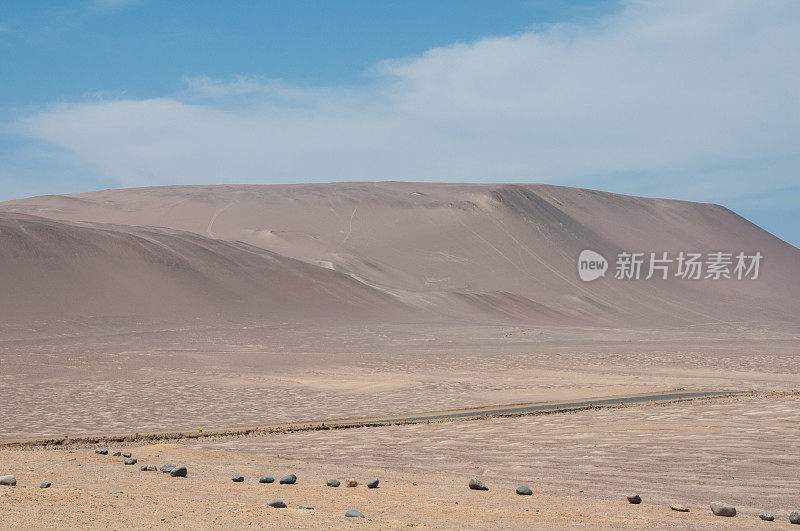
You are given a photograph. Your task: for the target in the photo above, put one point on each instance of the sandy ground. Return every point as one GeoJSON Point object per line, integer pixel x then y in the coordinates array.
{"type": "Point", "coordinates": [434, 496]}
{"type": "Point", "coordinates": [259, 376]}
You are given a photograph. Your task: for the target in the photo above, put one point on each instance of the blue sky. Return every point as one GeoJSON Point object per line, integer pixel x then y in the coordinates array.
{"type": "Point", "coordinates": [684, 99]}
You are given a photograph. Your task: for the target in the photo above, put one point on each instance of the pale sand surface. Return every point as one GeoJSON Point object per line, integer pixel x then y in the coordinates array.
{"type": "Point", "coordinates": [82, 482]}
{"type": "Point", "coordinates": [258, 376]}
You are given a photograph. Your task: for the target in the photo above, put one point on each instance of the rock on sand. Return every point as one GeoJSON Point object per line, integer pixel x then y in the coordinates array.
{"type": "Point", "coordinates": [266, 479]}
{"type": "Point", "coordinates": [679, 508]}
{"type": "Point", "coordinates": [723, 509]}
{"type": "Point", "coordinates": [333, 483]}
{"type": "Point", "coordinates": [634, 498]}
{"type": "Point", "coordinates": [766, 517]}
{"type": "Point", "coordinates": [352, 513]}
{"type": "Point", "coordinates": [130, 461]}
{"type": "Point", "coordinates": [178, 472]}
{"type": "Point", "coordinates": [372, 484]}
{"type": "Point", "coordinates": [794, 517]}
{"type": "Point", "coordinates": [278, 504]}
{"type": "Point", "coordinates": [167, 467]}
{"type": "Point", "coordinates": [524, 490]}
{"type": "Point", "coordinates": [351, 483]}
{"type": "Point", "coordinates": [101, 451]}
{"type": "Point", "coordinates": [237, 478]}
{"type": "Point", "coordinates": [288, 480]}
{"type": "Point", "coordinates": [9, 481]}
{"type": "Point", "coordinates": [476, 484]}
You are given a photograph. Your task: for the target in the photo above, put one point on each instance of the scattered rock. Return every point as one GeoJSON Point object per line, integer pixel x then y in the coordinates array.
{"type": "Point", "coordinates": [9, 481]}
{"type": "Point", "coordinates": [679, 508]}
{"type": "Point", "coordinates": [524, 490]}
{"type": "Point", "coordinates": [45, 485]}
{"type": "Point", "coordinates": [352, 513]}
{"type": "Point", "coordinates": [130, 461]}
{"type": "Point", "coordinates": [101, 451]}
{"type": "Point", "coordinates": [278, 504]}
{"type": "Point", "coordinates": [126, 454]}
{"type": "Point", "coordinates": [288, 480]}
{"type": "Point", "coordinates": [167, 467]}
{"type": "Point", "coordinates": [476, 484]}
{"type": "Point", "coordinates": [373, 483]}
{"type": "Point", "coordinates": [767, 517]}
{"type": "Point", "coordinates": [266, 479]}
{"type": "Point", "coordinates": [333, 483]}
{"type": "Point", "coordinates": [117, 453]}
{"type": "Point", "coordinates": [178, 472]}
{"type": "Point", "coordinates": [148, 468]}
{"type": "Point", "coordinates": [237, 478]}
{"type": "Point", "coordinates": [306, 507]}
{"type": "Point", "coordinates": [635, 499]}
{"type": "Point", "coordinates": [794, 517]}
{"type": "Point", "coordinates": [351, 483]}
{"type": "Point", "coordinates": [116, 492]}
{"type": "Point", "coordinates": [723, 509]}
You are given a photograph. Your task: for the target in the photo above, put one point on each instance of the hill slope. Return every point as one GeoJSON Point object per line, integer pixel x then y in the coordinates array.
{"type": "Point", "coordinates": [408, 251]}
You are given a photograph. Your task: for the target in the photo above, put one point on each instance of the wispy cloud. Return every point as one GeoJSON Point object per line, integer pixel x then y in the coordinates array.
{"type": "Point", "coordinates": [684, 98]}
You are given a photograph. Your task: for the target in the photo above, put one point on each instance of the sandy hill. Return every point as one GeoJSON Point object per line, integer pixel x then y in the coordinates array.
{"type": "Point", "coordinates": [383, 252]}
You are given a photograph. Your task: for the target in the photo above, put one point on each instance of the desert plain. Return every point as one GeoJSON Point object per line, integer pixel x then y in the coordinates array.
{"type": "Point", "coordinates": [170, 322]}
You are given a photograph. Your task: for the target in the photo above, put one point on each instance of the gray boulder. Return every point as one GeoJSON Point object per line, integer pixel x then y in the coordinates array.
{"type": "Point", "coordinates": [373, 483]}
{"type": "Point", "coordinates": [476, 484]}
{"type": "Point", "coordinates": [237, 478]}
{"type": "Point", "coordinates": [767, 517]}
{"type": "Point", "coordinates": [167, 467]}
{"type": "Point", "coordinates": [352, 513]}
{"type": "Point", "coordinates": [524, 490]}
{"type": "Point", "coordinates": [101, 451]}
{"type": "Point", "coordinates": [333, 483]}
{"type": "Point", "coordinates": [635, 499]}
{"type": "Point", "coordinates": [288, 480]}
{"type": "Point", "coordinates": [117, 453]}
{"type": "Point", "coordinates": [45, 485]}
{"type": "Point", "coordinates": [794, 517]}
{"type": "Point", "coordinates": [178, 472]}
{"type": "Point", "coordinates": [266, 479]}
{"type": "Point", "coordinates": [306, 507]}
{"type": "Point", "coordinates": [9, 481]}
{"type": "Point", "coordinates": [723, 509]}
{"type": "Point", "coordinates": [278, 504]}
{"type": "Point", "coordinates": [126, 454]}
{"type": "Point", "coordinates": [130, 461]}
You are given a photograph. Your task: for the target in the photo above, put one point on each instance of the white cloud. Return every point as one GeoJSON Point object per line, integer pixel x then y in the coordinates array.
{"type": "Point", "coordinates": [683, 98]}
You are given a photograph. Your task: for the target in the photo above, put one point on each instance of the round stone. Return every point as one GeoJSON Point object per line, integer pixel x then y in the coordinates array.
{"type": "Point", "coordinates": [288, 480]}
{"type": "Point", "coordinates": [278, 504]}
{"type": "Point", "coordinates": [117, 453]}
{"type": "Point", "coordinates": [266, 479]}
{"type": "Point", "coordinates": [332, 482]}
{"type": "Point", "coordinates": [126, 454]}
{"type": "Point", "coordinates": [178, 472]}
{"type": "Point", "coordinates": [101, 451]}
{"type": "Point", "coordinates": [766, 517]}
{"type": "Point", "coordinates": [524, 490]}
{"type": "Point", "coordinates": [351, 483]}
{"type": "Point", "coordinates": [476, 484]}
{"type": "Point", "coordinates": [634, 498]}
{"type": "Point", "coordinates": [237, 478]}
{"type": "Point", "coordinates": [130, 461]}
{"type": "Point", "coordinates": [794, 517]}
{"type": "Point", "coordinates": [723, 509]}
{"type": "Point", "coordinates": [45, 485]}
{"type": "Point", "coordinates": [9, 481]}
{"type": "Point", "coordinates": [167, 467]}
{"type": "Point", "coordinates": [373, 483]}
{"type": "Point", "coordinates": [352, 513]}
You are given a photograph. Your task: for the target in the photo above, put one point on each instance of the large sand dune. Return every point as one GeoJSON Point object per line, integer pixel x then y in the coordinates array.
{"type": "Point", "coordinates": [385, 252]}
